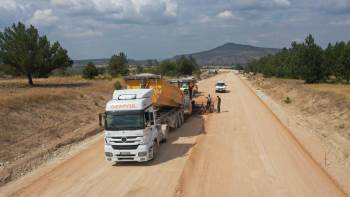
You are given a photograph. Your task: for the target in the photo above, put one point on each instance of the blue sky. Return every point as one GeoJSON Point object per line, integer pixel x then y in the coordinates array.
{"type": "Point", "coordinates": [164, 28]}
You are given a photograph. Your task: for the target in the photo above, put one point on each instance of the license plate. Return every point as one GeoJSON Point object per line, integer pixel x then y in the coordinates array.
{"type": "Point", "coordinates": [124, 153]}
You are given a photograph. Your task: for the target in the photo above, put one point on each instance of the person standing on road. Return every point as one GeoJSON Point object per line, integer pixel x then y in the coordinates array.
{"type": "Point", "coordinates": [219, 104]}
{"type": "Point", "coordinates": [208, 102]}
{"type": "Point", "coordinates": [190, 88]}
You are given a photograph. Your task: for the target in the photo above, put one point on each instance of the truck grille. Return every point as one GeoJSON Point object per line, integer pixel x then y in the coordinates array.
{"type": "Point", "coordinates": [125, 147]}
{"type": "Point", "coordinates": [129, 139]}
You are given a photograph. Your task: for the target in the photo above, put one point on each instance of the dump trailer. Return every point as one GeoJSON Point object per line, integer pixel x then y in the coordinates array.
{"type": "Point", "coordinates": [183, 84]}
{"type": "Point", "coordinates": [139, 117]}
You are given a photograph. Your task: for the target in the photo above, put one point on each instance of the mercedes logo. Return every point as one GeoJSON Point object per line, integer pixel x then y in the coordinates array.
{"type": "Point", "coordinates": [124, 139]}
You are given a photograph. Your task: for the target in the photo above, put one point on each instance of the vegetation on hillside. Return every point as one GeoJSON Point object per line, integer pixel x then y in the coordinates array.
{"type": "Point", "coordinates": [307, 61]}
{"type": "Point", "coordinates": [183, 66]}
{"type": "Point", "coordinates": [24, 52]}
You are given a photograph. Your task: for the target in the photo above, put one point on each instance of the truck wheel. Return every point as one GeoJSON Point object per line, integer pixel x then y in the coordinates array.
{"type": "Point", "coordinates": [183, 117]}
{"type": "Point", "coordinates": [178, 121]}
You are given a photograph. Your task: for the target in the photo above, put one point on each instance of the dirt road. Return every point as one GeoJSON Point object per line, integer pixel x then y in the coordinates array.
{"type": "Point", "coordinates": [244, 151]}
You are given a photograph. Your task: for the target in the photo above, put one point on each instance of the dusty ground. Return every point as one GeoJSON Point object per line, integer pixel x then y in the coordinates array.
{"type": "Point", "coordinates": [243, 151]}
{"type": "Point", "coordinates": [36, 121]}
{"type": "Point", "coordinates": [322, 113]}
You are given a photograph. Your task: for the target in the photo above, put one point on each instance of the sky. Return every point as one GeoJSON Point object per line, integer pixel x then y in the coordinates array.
{"type": "Point", "coordinates": [146, 29]}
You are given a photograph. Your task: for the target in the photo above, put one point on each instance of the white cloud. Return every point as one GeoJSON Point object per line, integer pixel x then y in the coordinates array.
{"type": "Point", "coordinates": [123, 11]}
{"type": "Point", "coordinates": [12, 5]}
{"type": "Point", "coordinates": [335, 6]}
{"type": "Point", "coordinates": [43, 18]}
{"type": "Point", "coordinates": [9, 5]}
{"type": "Point", "coordinates": [282, 3]}
{"type": "Point", "coordinates": [226, 15]}
{"type": "Point", "coordinates": [342, 23]}
{"type": "Point", "coordinates": [81, 32]}
{"type": "Point", "coordinates": [205, 19]}
{"type": "Point", "coordinates": [260, 4]}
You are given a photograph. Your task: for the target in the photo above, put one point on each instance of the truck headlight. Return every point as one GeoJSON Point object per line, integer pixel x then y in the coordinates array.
{"type": "Point", "coordinates": [144, 140]}
{"type": "Point", "coordinates": [142, 154]}
{"type": "Point", "coordinates": [108, 154]}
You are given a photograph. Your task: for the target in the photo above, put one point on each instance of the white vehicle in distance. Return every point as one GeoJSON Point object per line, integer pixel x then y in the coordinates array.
{"type": "Point", "coordinates": [220, 87]}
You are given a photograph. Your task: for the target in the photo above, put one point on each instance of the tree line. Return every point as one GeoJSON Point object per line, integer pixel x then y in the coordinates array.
{"type": "Point", "coordinates": [307, 61]}
{"type": "Point", "coordinates": [23, 52]}
{"type": "Point", "coordinates": [118, 65]}
{"type": "Point", "coordinates": [182, 66]}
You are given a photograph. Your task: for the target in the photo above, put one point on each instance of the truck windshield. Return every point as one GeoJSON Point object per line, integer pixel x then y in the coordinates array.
{"type": "Point", "coordinates": [220, 84]}
{"type": "Point", "coordinates": [116, 121]}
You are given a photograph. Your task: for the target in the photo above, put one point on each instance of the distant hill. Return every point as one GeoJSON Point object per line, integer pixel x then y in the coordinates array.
{"type": "Point", "coordinates": [230, 54]}
{"type": "Point", "coordinates": [227, 55]}
{"type": "Point", "coordinates": [102, 61]}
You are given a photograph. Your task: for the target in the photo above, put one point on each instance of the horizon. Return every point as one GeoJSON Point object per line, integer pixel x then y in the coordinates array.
{"type": "Point", "coordinates": [160, 29]}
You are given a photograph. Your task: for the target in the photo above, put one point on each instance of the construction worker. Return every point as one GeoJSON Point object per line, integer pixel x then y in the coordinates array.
{"type": "Point", "coordinates": [219, 104]}
{"type": "Point", "coordinates": [190, 88]}
{"type": "Point", "coordinates": [208, 102]}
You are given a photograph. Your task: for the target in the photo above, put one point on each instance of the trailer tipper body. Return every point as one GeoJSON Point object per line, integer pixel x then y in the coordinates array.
{"type": "Point", "coordinates": [183, 84]}
{"type": "Point", "coordinates": [138, 118]}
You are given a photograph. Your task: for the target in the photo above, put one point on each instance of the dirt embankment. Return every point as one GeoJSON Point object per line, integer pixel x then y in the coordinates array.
{"type": "Point", "coordinates": [37, 121]}
{"type": "Point", "coordinates": [323, 111]}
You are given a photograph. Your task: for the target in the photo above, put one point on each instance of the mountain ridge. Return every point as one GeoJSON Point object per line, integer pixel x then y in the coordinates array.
{"type": "Point", "coordinates": [227, 54]}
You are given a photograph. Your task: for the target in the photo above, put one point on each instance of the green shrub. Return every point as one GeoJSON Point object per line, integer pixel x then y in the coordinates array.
{"type": "Point", "coordinates": [287, 100]}
{"type": "Point", "coordinates": [90, 71]}
{"type": "Point", "coordinates": [117, 85]}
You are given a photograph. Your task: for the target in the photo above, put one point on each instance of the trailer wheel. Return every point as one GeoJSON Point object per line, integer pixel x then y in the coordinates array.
{"type": "Point", "coordinates": [183, 117]}
{"type": "Point", "coordinates": [178, 121]}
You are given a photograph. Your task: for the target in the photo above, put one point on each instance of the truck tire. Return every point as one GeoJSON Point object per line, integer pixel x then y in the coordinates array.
{"type": "Point", "coordinates": [182, 117]}
{"type": "Point", "coordinates": [178, 121]}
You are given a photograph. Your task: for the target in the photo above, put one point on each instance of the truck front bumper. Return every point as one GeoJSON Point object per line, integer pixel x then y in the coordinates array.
{"type": "Point", "coordinates": [141, 154]}
{"type": "Point", "coordinates": [220, 90]}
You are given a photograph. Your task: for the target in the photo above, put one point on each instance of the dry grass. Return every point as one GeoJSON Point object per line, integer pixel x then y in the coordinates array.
{"type": "Point", "coordinates": [340, 89]}
{"type": "Point", "coordinates": [16, 93]}
{"type": "Point", "coordinates": [335, 88]}
{"type": "Point", "coordinates": [36, 120]}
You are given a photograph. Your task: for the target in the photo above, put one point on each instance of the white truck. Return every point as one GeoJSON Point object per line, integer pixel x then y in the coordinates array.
{"type": "Point", "coordinates": [137, 119]}
{"type": "Point", "coordinates": [220, 86]}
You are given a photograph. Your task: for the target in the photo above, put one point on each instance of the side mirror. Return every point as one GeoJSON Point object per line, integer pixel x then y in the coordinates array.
{"type": "Point", "coordinates": [100, 119]}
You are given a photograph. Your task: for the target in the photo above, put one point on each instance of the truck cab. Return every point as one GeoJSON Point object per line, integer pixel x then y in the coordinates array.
{"type": "Point", "coordinates": [131, 130]}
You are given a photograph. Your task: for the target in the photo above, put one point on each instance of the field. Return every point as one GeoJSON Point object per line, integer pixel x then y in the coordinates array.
{"type": "Point", "coordinates": [36, 121]}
